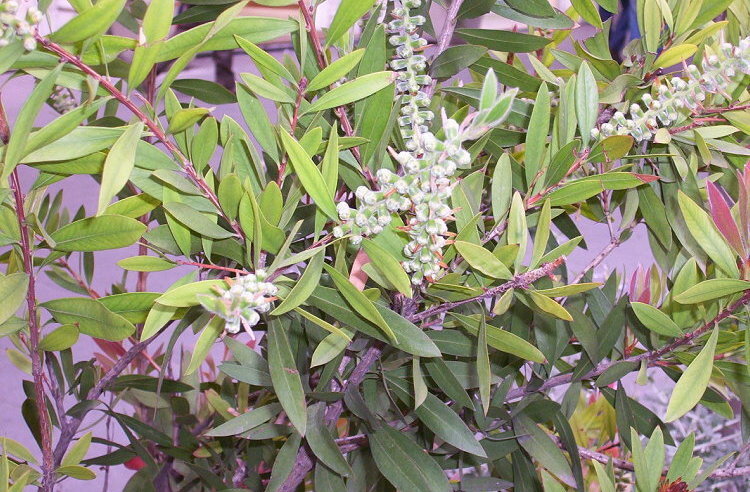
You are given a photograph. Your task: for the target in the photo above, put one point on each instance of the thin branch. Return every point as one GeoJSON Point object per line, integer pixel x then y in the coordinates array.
{"type": "Point", "coordinates": [520, 281]}
{"type": "Point", "coordinates": [606, 251]}
{"type": "Point", "coordinates": [212, 267]}
{"type": "Point", "coordinates": [69, 430]}
{"type": "Point", "coordinates": [151, 124]}
{"type": "Point", "coordinates": [451, 18]}
{"type": "Point", "coordinates": [649, 356]}
{"type": "Point", "coordinates": [45, 426]}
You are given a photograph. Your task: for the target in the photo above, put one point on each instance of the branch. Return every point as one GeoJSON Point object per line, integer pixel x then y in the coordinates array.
{"type": "Point", "coordinates": [152, 125]}
{"type": "Point", "coordinates": [520, 281]}
{"type": "Point", "coordinates": [71, 426]}
{"type": "Point", "coordinates": [451, 18]}
{"type": "Point", "coordinates": [606, 251]}
{"type": "Point", "coordinates": [45, 426]}
{"type": "Point", "coordinates": [305, 459]}
{"type": "Point", "coordinates": [649, 356]}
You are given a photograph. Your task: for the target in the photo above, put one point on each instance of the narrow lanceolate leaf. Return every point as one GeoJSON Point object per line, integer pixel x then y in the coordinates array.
{"type": "Point", "coordinates": [12, 292]}
{"type": "Point", "coordinates": [675, 55]}
{"type": "Point", "coordinates": [91, 317]}
{"type": "Point", "coordinates": [587, 101]}
{"type": "Point", "coordinates": [321, 441]}
{"type": "Point", "coordinates": [536, 136]}
{"type": "Point", "coordinates": [196, 221]}
{"type": "Point", "coordinates": [263, 88]}
{"type": "Point", "coordinates": [655, 320]}
{"type": "Point", "coordinates": [388, 266]}
{"type": "Point", "coordinates": [549, 306]}
{"type": "Point", "coordinates": [285, 377]}
{"type": "Point", "coordinates": [518, 233]}
{"type": "Point", "coordinates": [706, 234]}
{"type": "Point", "coordinates": [588, 11]}
{"type": "Point", "coordinates": [323, 324]}
{"type": "Point", "coordinates": [309, 175]}
{"type": "Point", "coordinates": [90, 23]}
{"type": "Point", "coordinates": [420, 387]}
{"type": "Point", "coordinates": [689, 389]}
{"type": "Point", "coordinates": [354, 90]}
{"type": "Point", "coordinates": [405, 464]}
{"type": "Point", "coordinates": [263, 59]}
{"type": "Point", "coordinates": [346, 15]}
{"type": "Point", "coordinates": [206, 340]}
{"type": "Point", "coordinates": [484, 374]}
{"type": "Point", "coordinates": [118, 165]}
{"type": "Point", "coordinates": [482, 260]}
{"type": "Point", "coordinates": [359, 301]}
{"type": "Point", "coordinates": [511, 42]}
{"type": "Point", "coordinates": [540, 446]}
{"type": "Point", "coordinates": [712, 289]}
{"type": "Point", "coordinates": [336, 70]}
{"type": "Point", "coordinates": [304, 286]}
{"type": "Point", "coordinates": [246, 421]}
{"type": "Point", "coordinates": [723, 218]}
{"type": "Point", "coordinates": [14, 152]}
{"type": "Point", "coordinates": [98, 233]}
{"type": "Point", "coordinates": [542, 234]}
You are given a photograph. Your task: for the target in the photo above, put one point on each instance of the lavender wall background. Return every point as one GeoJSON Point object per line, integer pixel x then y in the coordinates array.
{"type": "Point", "coordinates": [83, 191]}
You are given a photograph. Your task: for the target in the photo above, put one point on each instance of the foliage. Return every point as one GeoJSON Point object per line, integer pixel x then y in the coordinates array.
{"type": "Point", "coordinates": [380, 296]}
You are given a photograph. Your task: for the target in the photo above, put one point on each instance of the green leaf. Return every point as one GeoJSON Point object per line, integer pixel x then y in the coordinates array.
{"type": "Point", "coordinates": [502, 187]}
{"type": "Point", "coordinates": [507, 41]}
{"type": "Point", "coordinates": [323, 324]}
{"type": "Point", "coordinates": [359, 301]}
{"type": "Point", "coordinates": [411, 339]}
{"type": "Point", "coordinates": [196, 221]}
{"type": "Point", "coordinates": [309, 175]}
{"type": "Point", "coordinates": [347, 13]}
{"type": "Point", "coordinates": [118, 165]}
{"type": "Point", "coordinates": [248, 420]}
{"type": "Point", "coordinates": [321, 441]}
{"type": "Point", "coordinates": [14, 152]}
{"type": "Point", "coordinates": [405, 464]}
{"type": "Point", "coordinates": [146, 264]}
{"type": "Point", "coordinates": [541, 447]}
{"type": "Point", "coordinates": [60, 339]}
{"type": "Point", "coordinates": [204, 90]}
{"type": "Point", "coordinates": [77, 451]}
{"type": "Point", "coordinates": [483, 260]}
{"type": "Point", "coordinates": [586, 100]}
{"type": "Point", "coordinates": [655, 320]}
{"type": "Point", "coordinates": [13, 289]}
{"type": "Point", "coordinates": [285, 376]}
{"type": "Point", "coordinates": [549, 306]}
{"type": "Point", "coordinates": [304, 287]}
{"type": "Point", "coordinates": [706, 234]}
{"type": "Point", "coordinates": [266, 89]}
{"type": "Point", "coordinates": [76, 471]}
{"type": "Point", "coordinates": [484, 373]}
{"type": "Point", "coordinates": [351, 91]}
{"type": "Point", "coordinates": [263, 59]}
{"type": "Point", "coordinates": [711, 289]}
{"type": "Point", "coordinates": [675, 55]}
{"type": "Point", "coordinates": [541, 236]}
{"type": "Point", "coordinates": [336, 70]}
{"type": "Point", "coordinates": [185, 118]}
{"type": "Point", "coordinates": [208, 336]}
{"type": "Point", "coordinates": [90, 23]}
{"type": "Point", "coordinates": [606, 483]}
{"type": "Point", "coordinates": [536, 136]}
{"type": "Point", "coordinates": [91, 318]}
{"type": "Point", "coordinates": [535, 8]}
{"type": "Point", "coordinates": [388, 266]}
{"type": "Point", "coordinates": [187, 295]}
{"type": "Point", "coordinates": [517, 231]}
{"type": "Point", "coordinates": [456, 58]}
{"type": "Point", "coordinates": [588, 11]}
{"type": "Point", "coordinates": [447, 382]}
{"type": "Point", "coordinates": [693, 383]}
{"type": "Point", "coordinates": [98, 233]}
{"type": "Point", "coordinates": [503, 340]}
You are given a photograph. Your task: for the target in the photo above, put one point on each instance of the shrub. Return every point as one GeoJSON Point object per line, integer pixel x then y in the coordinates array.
{"type": "Point", "coordinates": [383, 269]}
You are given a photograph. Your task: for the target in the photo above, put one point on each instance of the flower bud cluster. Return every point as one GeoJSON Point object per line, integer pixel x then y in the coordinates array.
{"type": "Point", "coordinates": [679, 94]}
{"type": "Point", "coordinates": [243, 302]}
{"type": "Point", "coordinates": [14, 25]}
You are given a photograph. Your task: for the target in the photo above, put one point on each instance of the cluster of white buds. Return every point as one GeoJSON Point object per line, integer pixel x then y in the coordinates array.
{"type": "Point", "coordinates": [679, 94]}
{"type": "Point", "coordinates": [423, 186]}
{"type": "Point", "coordinates": [243, 302]}
{"type": "Point", "coordinates": [14, 25]}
